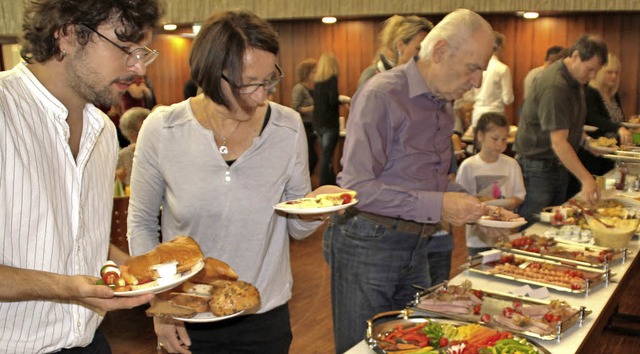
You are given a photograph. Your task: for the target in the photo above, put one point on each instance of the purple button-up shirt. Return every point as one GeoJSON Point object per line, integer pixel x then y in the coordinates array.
{"type": "Point", "coordinates": [398, 147]}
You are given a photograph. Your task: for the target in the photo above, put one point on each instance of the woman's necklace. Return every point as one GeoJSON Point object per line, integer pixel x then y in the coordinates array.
{"type": "Point", "coordinates": [224, 149]}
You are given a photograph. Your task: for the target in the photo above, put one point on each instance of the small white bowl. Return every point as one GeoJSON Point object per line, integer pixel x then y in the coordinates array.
{"type": "Point", "coordinates": [166, 270]}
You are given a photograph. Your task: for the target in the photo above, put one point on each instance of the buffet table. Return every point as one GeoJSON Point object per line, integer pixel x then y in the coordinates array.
{"type": "Point", "coordinates": [602, 300]}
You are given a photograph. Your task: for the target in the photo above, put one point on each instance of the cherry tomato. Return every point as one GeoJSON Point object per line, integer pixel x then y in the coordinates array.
{"type": "Point", "coordinates": [558, 216]}
{"type": "Point", "coordinates": [346, 198]}
{"type": "Point", "coordinates": [110, 277]}
{"type": "Point", "coordinates": [507, 312]}
{"type": "Point", "coordinates": [517, 304]}
{"type": "Point", "coordinates": [476, 309]}
{"type": "Point", "coordinates": [549, 317]}
{"type": "Point", "coordinates": [486, 318]}
{"type": "Point", "coordinates": [443, 342]}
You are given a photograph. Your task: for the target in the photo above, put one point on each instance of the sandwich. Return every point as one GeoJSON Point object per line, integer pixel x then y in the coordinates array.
{"type": "Point", "coordinates": [182, 249]}
{"type": "Point", "coordinates": [214, 269]}
{"type": "Point", "coordinates": [322, 200]}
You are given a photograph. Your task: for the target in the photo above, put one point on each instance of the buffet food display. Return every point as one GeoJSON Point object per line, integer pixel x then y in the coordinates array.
{"type": "Point", "coordinates": [562, 250]}
{"type": "Point", "coordinates": [541, 319]}
{"type": "Point", "coordinates": [420, 335]}
{"type": "Point", "coordinates": [538, 271]}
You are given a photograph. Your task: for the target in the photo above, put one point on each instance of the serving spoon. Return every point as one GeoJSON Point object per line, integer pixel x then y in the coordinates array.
{"type": "Point", "coordinates": [588, 212]}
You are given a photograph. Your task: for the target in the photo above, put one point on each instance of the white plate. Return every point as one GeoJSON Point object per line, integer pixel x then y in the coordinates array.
{"type": "Point", "coordinates": [282, 207]}
{"type": "Point", "coordinates": [501, 224]}
{"type": "Point", "coordinates": [622, 158]}
{"type": "Point", "coordinates": [589, 128]}
{"type": "Point", "coordinates": [631, 125]}
{"type": "Point", "coordinates": [608, 149]}
{"type": "Point", "coordinates": [205, 317]}
{"type": "Point", "coordinates": [164, 285]}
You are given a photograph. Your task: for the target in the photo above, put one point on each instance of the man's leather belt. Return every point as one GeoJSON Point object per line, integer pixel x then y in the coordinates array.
{"type": "Point", "coordinates": [397, 224]}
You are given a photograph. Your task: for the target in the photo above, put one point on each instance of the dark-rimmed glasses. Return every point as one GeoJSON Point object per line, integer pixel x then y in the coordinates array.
{"type": "Point", "coordinates": [140, 54]}
{"type": "Point", "coordinates": [251, 88]}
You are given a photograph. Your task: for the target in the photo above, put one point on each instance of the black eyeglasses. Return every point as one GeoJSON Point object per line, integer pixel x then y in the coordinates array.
{"type": "Point", "coordinates": [141, 54]}
{"type": "Point", "coordinates": [251, 88]}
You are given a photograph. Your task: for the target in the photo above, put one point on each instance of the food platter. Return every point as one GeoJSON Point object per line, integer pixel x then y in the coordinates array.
{"type": "Point", "coordinates": [564, 251]}
{"type": "Point", "coordinates": [538, 271]}
{"type": "Point", "coordinates": [380, 326]}
{"type": "Point", "coordinates": [447, 300]}
{"type": "Point", "coordinates": [624, 158]}
{"type": "Point", "coordinates": [501, 224]}
{"type": "Point", "coordinates": [160, 285]}
{"type": "Point", "coordinates": [206, 317]}
{"type": "Point", "coordinates": [631, 125]}
{"type": "Point", "coordinates": [604, 149]}
{"type": "Point", "coordinates": [286, 208]}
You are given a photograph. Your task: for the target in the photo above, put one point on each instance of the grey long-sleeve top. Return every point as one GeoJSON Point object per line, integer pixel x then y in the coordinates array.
{"type": "Point", "coordinates": [228, 210]}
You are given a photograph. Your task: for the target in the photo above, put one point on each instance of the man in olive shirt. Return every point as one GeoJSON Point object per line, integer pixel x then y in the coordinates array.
{"type": "Point", "coordinates": [550, 128]}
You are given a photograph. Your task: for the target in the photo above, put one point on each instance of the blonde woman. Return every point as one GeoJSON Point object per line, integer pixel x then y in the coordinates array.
{"type": "Point", "coordinates": [326, 112]}
{"type": "Point", "coordinates": [604, 110]}
{"type": "Point", "coordinates": [400, 40]}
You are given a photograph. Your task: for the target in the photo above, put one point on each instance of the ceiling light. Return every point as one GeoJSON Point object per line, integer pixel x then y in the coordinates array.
{"type": "Point", "coordinates": [530, 15]}
{"type": "Point", "coordinates": [329, 19]}
{"type": "Point", "coordinates": [170, 27]}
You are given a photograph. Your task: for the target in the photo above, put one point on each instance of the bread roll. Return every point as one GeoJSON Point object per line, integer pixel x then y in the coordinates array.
{"type": "Point", "coordinates": [167, 309]}
{"type": "Point", "coordinates": [182, 249]}
{"type": "Point", "coordinates": [193, 288]}
{"type": "Point", "coordinates": [229, 297]}
{"type": "Point", "coordinates": [199, 303]}
{"type": "Point", "coordinates": [213, 270]}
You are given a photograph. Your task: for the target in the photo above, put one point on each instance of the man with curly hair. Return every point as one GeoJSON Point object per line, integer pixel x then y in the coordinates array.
{"type": "Point", "coordinates": [58, 155]}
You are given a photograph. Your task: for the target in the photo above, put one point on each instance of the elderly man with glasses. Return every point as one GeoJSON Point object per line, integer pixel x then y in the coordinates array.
{"type": "Point", "coordinates": [57, 160]}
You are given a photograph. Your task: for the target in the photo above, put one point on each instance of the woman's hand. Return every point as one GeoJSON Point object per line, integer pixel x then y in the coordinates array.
{"type": "Point", "coordinates": [172, 336]}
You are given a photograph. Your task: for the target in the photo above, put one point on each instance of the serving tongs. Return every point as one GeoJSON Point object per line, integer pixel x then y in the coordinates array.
{"type": "Point", "coordinates": [588, 212]}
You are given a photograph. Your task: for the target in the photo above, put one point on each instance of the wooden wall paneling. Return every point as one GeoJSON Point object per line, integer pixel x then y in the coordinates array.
{"type": "Point", "coordinates": [524, 60]}
{"type": "Point", "coordinates": [629, 59]}
{"type": "Point", "coordinates": [354, 42]}
{"type": "Point", "coordinates": [171, 70]}
{"type": "Point", "coordinates": [287, 62]}
{"type": "Point", "coordinates": [576, 27]}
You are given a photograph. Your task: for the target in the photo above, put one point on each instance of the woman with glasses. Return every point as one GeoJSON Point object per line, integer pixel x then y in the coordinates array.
{"type": "Point", "coordinates": [217, 163]}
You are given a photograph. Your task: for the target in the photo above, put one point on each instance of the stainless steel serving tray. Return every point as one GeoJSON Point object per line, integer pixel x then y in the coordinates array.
{"type": "Point", "coordinates": [380, 324]}
{"type": "Point", "coordinates": [619, 254]}
{"type": "Point", "coordinates": [596, 276]}
{"type": "Point", "coordinates": [493, 303]}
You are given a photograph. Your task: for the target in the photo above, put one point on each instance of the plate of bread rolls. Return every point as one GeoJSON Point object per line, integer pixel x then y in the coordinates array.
{"type": "Point", "coordinates": [214, 294]}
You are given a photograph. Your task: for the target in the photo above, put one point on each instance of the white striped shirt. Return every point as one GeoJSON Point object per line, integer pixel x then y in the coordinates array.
{"type": "Point", "coordinates": [55, 211]}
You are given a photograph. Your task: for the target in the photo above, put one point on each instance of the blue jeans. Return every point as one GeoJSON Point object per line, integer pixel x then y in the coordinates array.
{"type": "Point", "coordinates": [439, 252]}
{"type": "Point", "coordinates": [546, 183]}
{"type": "Point", "coordinates": [328, 138]}
{"type": "Point", "coordinates": [372, 270]}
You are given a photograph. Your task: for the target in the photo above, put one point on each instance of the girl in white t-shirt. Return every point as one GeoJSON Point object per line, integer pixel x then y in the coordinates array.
{"type": "Point", "coordinates": [492, 176]}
